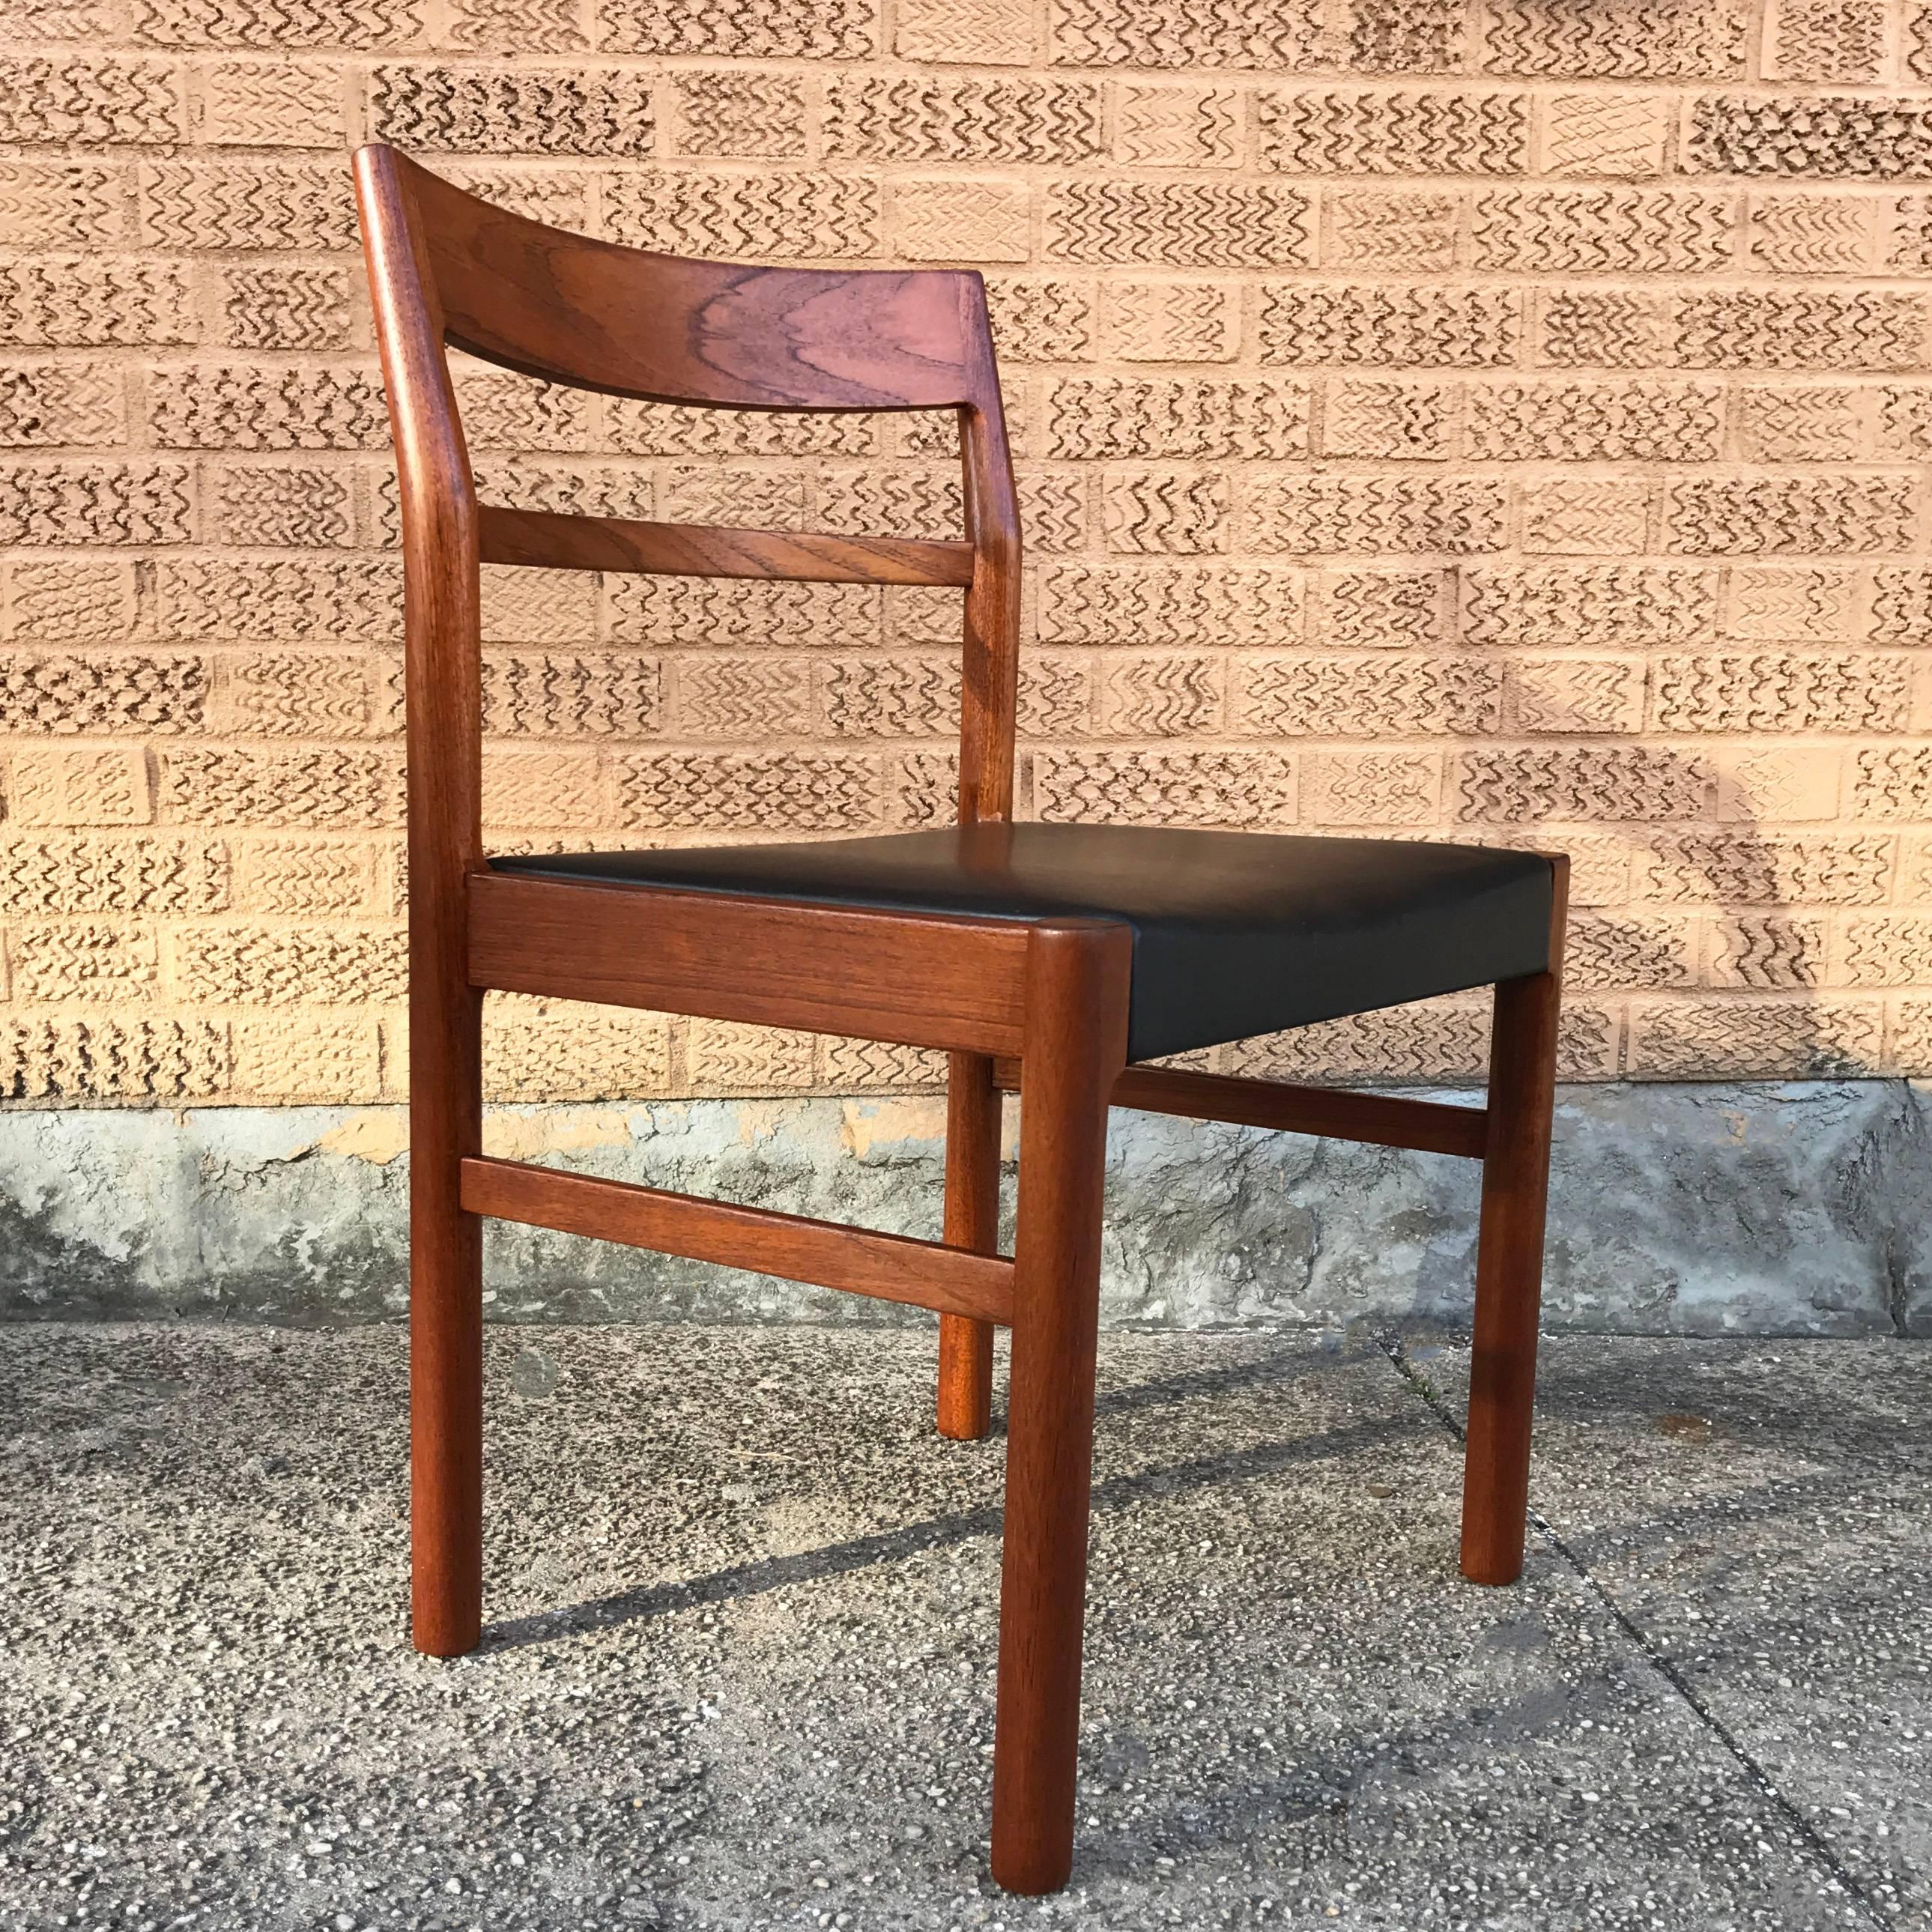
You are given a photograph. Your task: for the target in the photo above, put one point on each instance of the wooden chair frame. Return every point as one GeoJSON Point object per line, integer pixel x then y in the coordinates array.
{"type": "Point", "coordinates": [1039, 1007]}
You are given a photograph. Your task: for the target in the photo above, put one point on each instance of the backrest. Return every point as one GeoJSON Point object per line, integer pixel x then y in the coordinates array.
{"type": "Point", "coordinates": [447, 267]}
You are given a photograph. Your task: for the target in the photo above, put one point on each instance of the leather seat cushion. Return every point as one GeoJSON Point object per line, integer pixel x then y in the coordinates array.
{"type": "Point", "coordinates": [1235, 933]}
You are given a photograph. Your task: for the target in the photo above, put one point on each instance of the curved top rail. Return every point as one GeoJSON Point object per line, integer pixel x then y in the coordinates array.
{"type": "Point", "coordinates": [630, 322]}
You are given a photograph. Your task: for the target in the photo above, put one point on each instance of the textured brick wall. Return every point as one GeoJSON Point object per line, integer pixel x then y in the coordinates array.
{"type": "Point", "coordinates": [1505, 419]}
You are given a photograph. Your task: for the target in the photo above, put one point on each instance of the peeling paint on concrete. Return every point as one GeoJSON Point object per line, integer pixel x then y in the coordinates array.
{"type": "Point", "coordinates": [1753, 1208]}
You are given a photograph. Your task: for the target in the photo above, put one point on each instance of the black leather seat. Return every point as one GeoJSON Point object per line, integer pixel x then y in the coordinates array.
{"type": "Point", "coordinates": [1235, 933]}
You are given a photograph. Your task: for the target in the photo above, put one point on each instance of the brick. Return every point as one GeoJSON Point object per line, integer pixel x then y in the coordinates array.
{"type": "Point", "coordinates": [1609, 133]}
{"type": "Point", "coordinates": [494, 109]}
{"type": "Point", "coordinates": [1384, 230]}
{"type": "Point", "coordinates": [1375, 418]}
{"type": "Point", "coordinates": [706, 612]}
{"type": "Point", "coordinates": [725, 791]}
{"type": "Point", "coordinates": [755, 697]}
{"type": "Point", "coordinates": [1380, 608]}
{"type": "Point", "coordinates": [1648, 40]}
{"type": "Point", "coordinates": [515, 26]}
{"type": "Point", "coordinates": [788, 216]}
{"type": "Point", "coordinates": [1510, 784]}
{"type": "Point", "coordinates": [563, 790]}
{"type": "Point", "coordinates": [725, 1057]}
{"type": "Point", "coordinates": [1251, 789]}
{"type": "Point", "coordinates": [1366, 698]}
{"type": "Point", "coordinates": [1607, 953]}
{"type": "Point", "coordinates": [258, 966]}
{"type": "Point", "coordinates": [270, 104]}
{"type": "Point", "coordinates": [1719, 516]}
{"type": "Point", "coordinates": [1173, 512]}
{"type": "Point", "coordinates": [53, 405]}
{"type": "Point", "coordinates": [1089, 604]}
{"type": "Point", "coordinates": [1769, 954]}
{"type": "Point", "coordinates": [961, 118]}
{"type": "Point", "coordinates": [1185, 224]}
{"type": "Point", "coordinates": [285, 509]}
{"type": "Point", "coordinates": [90, 99]}
{"type": "Point", "coordinates": [1461, 516]}
{"type": "Point", "coordinates": [296, 598]}
{"type": "Point", "coordinates": [62, 600]}
{"type": "Point", "coordinates": [538, 1050]}
{"type": "Point", "coordinates": [1171, 321]}
{"type": "Point", "coordinates": [297, 1056]}
{"type": "Point", "coordinates": [186, 205]}
{"type": "Point", "coordinates": [1163, 125]}
{"type": "Point", "coordinates": [91, 961]}
{"type": "Point", "coordinates": [897, 696]}
{"type": "Point", "coordinates": [79, 786]}
{"type": "Point", "coordinates": [1281, 34]}
{"type": "Point", "coordinates": [1807, 423]}
{"type": "Point", "coordinates": [1841, 137]}
{"type": "Point", "coordinates": [1752, 868]}
{"type": "Point", "coordinates": [1109, 416]}
{"type": "Point", "coordinates": [367, 24]}
{"type": "Point", "coordinates": [50, 503]}
{"type": "Point", "coordinates": [1767, 691]}
{"type": "Point", "coordinates": [1825, 40]}
{"type": "Point", "coordinates": [993, 33]}
{"type": "Point", "coordinates": [1554, 696]}
{"type": "Point", "coordinates": [60, 204]}
{"type": "Point", "coordinates": [1781, 603]}
{"type": "Point", "coordinates": [1566, 517]}
{"type": "Point", "coordinates": [1171, 695]}
{"type": "Point", "coordinates": [101, 693]}
{"type": "Point", "coordinates": [961, 220]}
{"type": "Point", "coordinates": [1805, 1039]}
{"type": "Point", "coordinates": [1814, 234]}
{"type": "Point", "coordinates": [1901, 605]}
{"type": "Point", "coordinates": [1892, 784]}
{"type": "Point", "coordinates": [1433, 1041]}
{"type": "Point", "coordinates": [1771, 786]}
{"type": "Point", "coordinates": [1602, 231]}
{"type": "Point", "coordinates": [208, 405]}
{"type": "Point", "coordinates": [281, 307]}
{"type": "Point", "coordinates": [304, 876]}
{"type": "Point", "coordinates": [1389, 131]}
{"type": "Point", "coordinates": [1040, 319]}
{"type": "Point", "coordinates": [106, 1058]}
{"type": "Point", "coordinates": [96, 875]}
{"type": "Point", "coordinates": [725, 112]}
{"type": "Point", "coordinates": [1583, 421]}
{"type": "Point", "coordinates": [1427, 328]}
{"type": "Point", "coordinates": [1371, 788]}
{"type": "Point", "coordinates": [762, 29]}
{"type": "Point", "coordinates": [76, 302]}
{"type": "Point", "coordinates": [224, 788]}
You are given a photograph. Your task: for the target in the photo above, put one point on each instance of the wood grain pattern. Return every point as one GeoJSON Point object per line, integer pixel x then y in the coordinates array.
{"type": "Point", "coordinates": [920, 980]}
{"type": "Point", "coordinates": [1380, 1119]}
{"type": "Point", "coordinates": [965, 1404]}
{"type": "Point", "coordinates": [1078, 978]}
{"type": "Point", "coordinates": [442, 677]}
{"type": "Point", "coordinates": [887, 1267]}
{"type": "Point", "coordinates": [543, 537]}
{"type": "Point", "coordinates": [1509, 1261]}
{"type": "Point", "coordinates": [629, 322]}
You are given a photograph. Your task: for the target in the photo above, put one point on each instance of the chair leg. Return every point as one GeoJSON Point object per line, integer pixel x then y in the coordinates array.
{"type": "Point", "coordinates": [1074, 1046]}
{"type": "Point", "coordinates": [445, 1326]}
{"type": "Point", "coordinates": [972, 1221]}
{"type": "Point", "coordinates": [1509, 1276]}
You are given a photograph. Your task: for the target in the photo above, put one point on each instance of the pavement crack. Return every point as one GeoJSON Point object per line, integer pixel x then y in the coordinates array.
{"type": "Point", "coordinates": [1807, 1834]}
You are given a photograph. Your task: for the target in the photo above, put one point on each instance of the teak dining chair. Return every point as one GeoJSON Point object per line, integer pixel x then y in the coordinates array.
{"type": "Point", "coordinates": [1049, 959]}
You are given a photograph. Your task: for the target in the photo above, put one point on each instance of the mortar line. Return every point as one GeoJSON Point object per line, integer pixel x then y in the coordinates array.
{"type": "Point", "coordinates": [1820, 1847]}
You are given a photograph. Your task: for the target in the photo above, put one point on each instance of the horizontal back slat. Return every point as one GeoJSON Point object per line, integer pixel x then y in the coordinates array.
{"type": "Point", "coordinates": [632, 323]}
{"type": "Point", "coordinates": [542, 537]}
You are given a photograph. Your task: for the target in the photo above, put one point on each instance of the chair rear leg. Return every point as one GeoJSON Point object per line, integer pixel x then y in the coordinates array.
{"type": "Point", "coordinates": [446, 1325]}
{"type": "Point", "coordinates": [965, 1411]}
{"type": "Point", "coordinates": [1074, 1047]}
{"type": "Point", "coordinates": [1509, 1268]}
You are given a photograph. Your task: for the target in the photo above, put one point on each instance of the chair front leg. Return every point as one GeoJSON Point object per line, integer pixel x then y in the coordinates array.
{"type": "Point", "coordinates": [965, 1409]}
{"type": "Point", "coordinates": [1509, 1267]}
{"type": "Point", "coordinates": [445, 1319]}
{"type": "Point", "coordinates": [1074, 1046]}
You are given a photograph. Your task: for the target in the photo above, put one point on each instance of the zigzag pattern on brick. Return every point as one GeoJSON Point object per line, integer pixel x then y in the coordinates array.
{"type": "Point", "coordinates": [1188, 224]}
{"type": "Point", "coordinates": [1524, 784]}
{"type": "Point", "coordinates": [1081, 603]}
{"type": "Point", "coordinates": [1723, 516]}
{"type": "Point", "coordinates": [519, 110]}
{"type": "Point", "coordinates": [1767, 692]}
{"type": "Point", "coordinates": [142, 502]}
{"type": "Point", "coordinates": [1458, 516]}
{"type": "Point", "coordinates": [515, 26]}
{"type": "Point", "coordinates": [1602, 231]}
{"type": "Point", "coordinates": [791, 217]}
{"type": "Point", "coordinates": [724, 791]}
{"type": "Point", "coordinates": [957, 117]}
{"type": "Point", "coordinates": [1112, 416]}
{"type": "Point", "coordinates": [103, 1059]}
{"type": "Point", "coordinates": [1393, 131]}
{"type": "Point", "coordinates": [1800, 604]}
{"type": "Point", "coordinates": [557, 695]}
{"type": "Point", "coordinates": [1608, 604]}
{"type": "Point", "coordinates": [1173, 322]}
{"type": "Point", "coordinates": [286, 308]}
{"type": "Point", "coordinates": [224, 787]}
{"type": "Point", "coordinates": [374, 25]}
{"type": "Point", "coordinates": [93, 874]}
{"type": "Point", "coordinates": [1902, 606]}
{"type": "Point", "coordinates": [1755, 869]}
{"type": "Point", "coordinates": [1406, 36]}
{"type": "Point", "coordinates": [1813, 234]}
{"type": "Point", "coordinates": [754, 699]}
{"type": "Point", "coordinates": [1797, 1040]}
{"type": "Point", "coordinates": [1040, 320]}
{"type": "Point", "coordinates": [727, 112]}
{"type": "Point", "coordinates": [1827, 39]}
{"type": "Point", "coordinates": [83, 301]}
{"type": "Point", "coordinates": [1640, 40]}
{"type": "Point", "coordinates": [1279, 35]}
{"type": "Point", "coordinates": [295, 597]}
{"type": "Point", "coordinates": [1892, 782]}
{"type": "Point", "coordinates": [889, 697]}
{"type": "Point", "coordinates": [1169, 696]}
{"type": "Point", "coordinates": [1125, 787]}
{"type": "Point", "coordinates": [1388, 420]}
{"type": "Point", "coordinates": [92, 100]}
{"type": "Point", "coordinates": [59, 205]}
{"type": "Point", "coordinates": [1605, 133]}
{"type": "Point", "coordinates": [193, 204]}
{"type": "Point", "coordinates": [758, 29]}
{"type": "Point", "coordinates": [291, 508]}
{"type": "Point", "coordinates": [1176, 512]}
{"type": "Point", "coordinates": [1595, 422]}
{"type": "Point", "coordinates": [253, 966]}
{"type": "Point", "coordinates": [1408, 231]}
{"type": "Point", "coordinates": [1417, 327]}
{"type": "Point", "coordinates": [102, 694]}
{"type": "Point", "coordinates": [1871, 138]}
{"type": "Point", "coordinates": [1367, 697]}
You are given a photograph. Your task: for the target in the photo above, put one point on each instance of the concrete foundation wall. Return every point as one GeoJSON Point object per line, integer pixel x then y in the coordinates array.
{"type": "Point", "coordinates": [1762, 1208]}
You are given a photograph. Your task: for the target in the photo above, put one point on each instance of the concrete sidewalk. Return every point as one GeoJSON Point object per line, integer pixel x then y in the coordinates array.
{"type": "Point", "coordinates": [739, 1667]}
